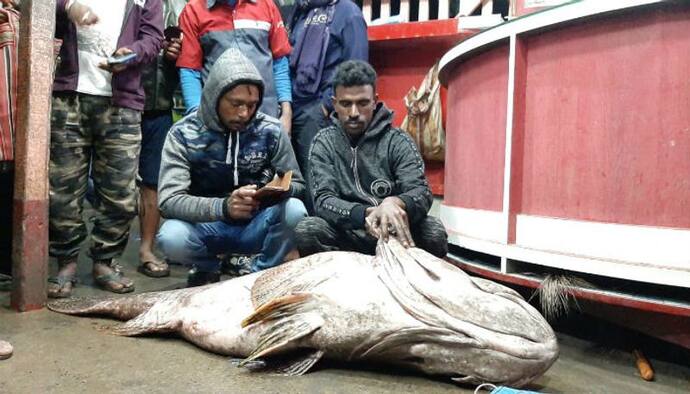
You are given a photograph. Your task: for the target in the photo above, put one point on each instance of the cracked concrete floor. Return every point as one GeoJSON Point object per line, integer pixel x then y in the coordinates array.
{"type": "Point", "coordinates": [63, 354]}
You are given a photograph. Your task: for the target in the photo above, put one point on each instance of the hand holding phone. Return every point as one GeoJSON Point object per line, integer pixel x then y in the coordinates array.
{"type": "Point", "coordinates": [118, 60]}
{"type": "Point", "coordinates": [172, 45]}
{"type": "Point", "coordinates": [122, 59]}
{"type": "Point", "coordinates": [171, 32]}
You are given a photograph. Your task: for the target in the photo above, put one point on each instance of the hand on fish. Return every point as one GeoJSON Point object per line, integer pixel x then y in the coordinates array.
{"type": "Point", "coordinates": [241, 205]}
{"type": "Point", "coordinates": [389, 218]}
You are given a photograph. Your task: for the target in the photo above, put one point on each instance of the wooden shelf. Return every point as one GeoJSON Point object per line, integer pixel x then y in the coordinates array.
{"type": "Point", "coordinates": [440, 32]}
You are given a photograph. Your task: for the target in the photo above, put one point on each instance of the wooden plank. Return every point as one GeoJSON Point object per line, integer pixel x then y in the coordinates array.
{"type": "Point", "coordinates": [32, 145]}
{"type": "Point", "coordinates": [443, 9]}
{"type": "Point", "coordinates": [467, 7]}
{"type": "Point", "coordinates": [366, 10]}
{"type": "Point", "coordinates": [423, 10]}
{"type": "Point", "coordinates": [603, 297]}
{"type": "Point", "coordinates": [405, 10]}
{"type": "Point", "coordinates": [633, 168]}
{"type": "Point", "coordinates": [385, 9]}
{"type": "Point", "coordinates": [488, 7]}
{"type": "Point", "coordinates": [515, 135]}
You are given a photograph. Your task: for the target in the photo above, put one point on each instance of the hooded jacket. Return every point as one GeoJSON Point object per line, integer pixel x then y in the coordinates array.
{"type": "Point", "coordinates": [346, 179]}
{"type": "Point", "coordinates": [160, 77]}
{"type": "Point", "coordinates": [203, 163]}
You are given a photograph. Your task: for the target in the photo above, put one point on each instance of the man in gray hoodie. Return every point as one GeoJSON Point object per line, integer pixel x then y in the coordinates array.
{"type": "Point", "coordinates": [213, 161]}
{"type": "Point", "coordinates": [366, 176]}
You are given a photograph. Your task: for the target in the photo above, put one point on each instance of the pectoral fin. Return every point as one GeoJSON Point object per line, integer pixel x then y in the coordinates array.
{"type": "Point", "coordinates": [287, 319]}
{"type": "Point", "coordinates": [295, 363]}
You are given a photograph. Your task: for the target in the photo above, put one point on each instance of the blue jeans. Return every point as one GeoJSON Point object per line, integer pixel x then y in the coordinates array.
{"type": "Point", "coordinates": [270, 234]}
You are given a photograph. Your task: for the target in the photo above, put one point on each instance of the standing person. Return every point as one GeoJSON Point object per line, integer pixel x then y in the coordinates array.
{"type": "Point", "coordinates": [367, 177]}
{"type": "Point", "coordinates": [213, 161]}
{"type": "Point", "coordinates": [160, 81]}
{"type": "Point", "coordinates": [96, 115]}
{"type": "Point", "coordinates": [323, 33]}
{"type": "Point", "coordinates": [256, 28]}
{"type": "Point", "coordinates": [9, 24]}
{"type": "Point", "coordinates": [8, 66]}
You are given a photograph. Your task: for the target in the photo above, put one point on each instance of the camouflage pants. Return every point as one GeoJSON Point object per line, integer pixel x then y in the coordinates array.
{"type": "Point", "coordinates": [315, 235]}
{"type": "Point", "coordinates": [87, 131]}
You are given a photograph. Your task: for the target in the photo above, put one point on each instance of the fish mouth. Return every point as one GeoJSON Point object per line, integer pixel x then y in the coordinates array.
{"type": "Point", "coordinates": [420, 282]}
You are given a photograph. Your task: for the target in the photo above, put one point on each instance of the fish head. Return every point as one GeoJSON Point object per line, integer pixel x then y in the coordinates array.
{"type": "Point", "coordinates": [469, 329]}
{"type": "Point", "coordinates": [462, 359]}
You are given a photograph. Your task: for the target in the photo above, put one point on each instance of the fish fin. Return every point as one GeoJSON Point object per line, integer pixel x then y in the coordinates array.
{"type": "Point", "coordinates": [277, 308]}
{"type": "Point", "coordinates": [292, 364]}
{"type": "Point", "coordinates": [287, 319]}
{"type": "Point", "coordinates": [121, 308]}
{"type": "Point", "coordinates": [136, 327]}
{"type": "Point", "coordinates": [298, 364]}
{"type": "Point", "coordinates": [301, 275]}
{"type": "Point", "coordinates": [151, 321]}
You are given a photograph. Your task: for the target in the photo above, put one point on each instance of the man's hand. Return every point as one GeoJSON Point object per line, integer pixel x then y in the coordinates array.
{"type": "Point", "coordinates": [286, 117]}
{"type": "Point", "coordinates": [81, 14]}
{"type": "Point", "coordinates": [242, 205]}
{"type": "Point", "coordinates": [116, 68]}
{"type": "Point", "coordinates": [172, 48]}
{"type": "Point", "coordinates": [387, 219]}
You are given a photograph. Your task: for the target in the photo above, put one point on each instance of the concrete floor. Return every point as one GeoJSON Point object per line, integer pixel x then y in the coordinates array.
{"type": "Point", "coordinates": [63, 354]}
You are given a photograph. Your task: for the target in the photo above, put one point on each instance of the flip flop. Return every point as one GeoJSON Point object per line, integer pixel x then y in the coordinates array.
{"type": "Point", "coordinates": [145, 269]}
{"type": "Point", "coordinates": [61, 281]}
{"type": "Point", "coordinates": [104, 282]}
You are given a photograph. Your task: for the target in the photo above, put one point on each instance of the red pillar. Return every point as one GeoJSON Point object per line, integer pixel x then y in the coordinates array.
{"type": "Point", "coordinates": [32, 144]}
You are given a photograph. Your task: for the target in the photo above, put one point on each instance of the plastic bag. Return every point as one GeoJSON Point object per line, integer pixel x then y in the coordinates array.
{"type": "Point", "coordinates": [424, 120]}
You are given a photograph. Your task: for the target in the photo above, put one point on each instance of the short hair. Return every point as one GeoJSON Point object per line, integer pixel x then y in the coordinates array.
{"type": "Point", "coordinates": [354, 73]}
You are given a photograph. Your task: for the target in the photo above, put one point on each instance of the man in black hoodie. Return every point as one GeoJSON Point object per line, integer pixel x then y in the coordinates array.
{"type": "Point", "coordinates": [367, 177]}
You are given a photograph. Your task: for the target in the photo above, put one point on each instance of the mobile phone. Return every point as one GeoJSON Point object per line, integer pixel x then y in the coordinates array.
{"type": "Point", "coordinates": [171, 32]}
{"type": "Point", "coordinates": [124, 59]}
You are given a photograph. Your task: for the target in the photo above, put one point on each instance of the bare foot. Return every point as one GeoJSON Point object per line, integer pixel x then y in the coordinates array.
{"type": "Point", "coordinates": [6, 350]}
{"type": "Point", "coordinates": [151, 265]}
{"type": "Point", "coordinates": [61, 285]}
{"type": "Point", "coordinates": [111, 278]}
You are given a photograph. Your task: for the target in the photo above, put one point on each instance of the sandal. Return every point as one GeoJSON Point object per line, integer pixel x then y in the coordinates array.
{"type": "Point", "coordinates": [105, 281]}
{"type": "Point", "coordinates": [60, 282]}
{"type": "Point", "coordinates": [145, 268]}
{"type": "Point", "coordinates": [56, 284]}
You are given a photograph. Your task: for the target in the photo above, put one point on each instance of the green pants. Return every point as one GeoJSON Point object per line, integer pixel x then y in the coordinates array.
{"type": "Point", "coordinates": [88, 132]}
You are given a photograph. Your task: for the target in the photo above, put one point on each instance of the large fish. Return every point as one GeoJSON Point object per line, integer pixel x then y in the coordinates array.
{"type": "Point", "coordinates": [402, 307]}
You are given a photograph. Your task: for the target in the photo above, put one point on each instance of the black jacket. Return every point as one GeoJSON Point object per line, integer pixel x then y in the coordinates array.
{"type": "Point", "coordinates": [345, 180]}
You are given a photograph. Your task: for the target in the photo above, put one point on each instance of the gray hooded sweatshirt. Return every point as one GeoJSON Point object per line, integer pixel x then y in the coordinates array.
{"type": "Point", "coordinates": [203, 163]}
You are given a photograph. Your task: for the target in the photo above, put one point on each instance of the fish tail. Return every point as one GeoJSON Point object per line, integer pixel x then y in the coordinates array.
{"type": "Point", "coordinates": [122, 308]}
{"type": "Point", "coordinates": [77, 305]}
